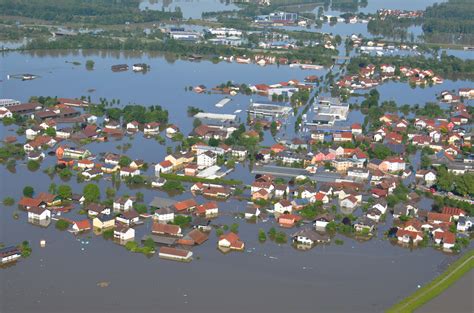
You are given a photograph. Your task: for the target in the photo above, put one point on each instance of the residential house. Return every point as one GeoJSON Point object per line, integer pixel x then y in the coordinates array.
{"type": "Point", "coordinates": [128, 217]}
{"type": "Point", "coordinates": [185, 206]}
{"type": "Point", "coordinates": [123, 204]}
{"type": "Point", "coordinates": [288, 220]}
{"type": "Point", "coordinates": [310, 237]}
{"type": "Point", "coordinates": [392, 164]}
{"type": "Point", "coordinates": [164, 215]}
{"type": "Point", "coordinates": [102, 222]}
{"type": "Point", "coordinates": [230, 241]}
{"type": "Point", "coordinates": [81, 226]}
{"type": "Point", "coordinates": [322, 220]}
{"type": "Point", "coordinates": [283, 206]}
{"type": "Point", "coordinates": [207, 209]}
{"type": "Point", "coordinates": [166, 229]}
{"type": "Point", "coordinates": [95, 209]}
{"type": "Point", "coordinates": [129, 172]}
{"type": "Point", "coordinates": [151, 128]}
{"type": "Point", "coordinates": [206, 159]}
{"type": "Point", "coordinates": [447, 239]}
{"type": "Point", "coordinates": [38, 213]}
{"type": "Point", "coordinates": [409, 236]}
{"type": "Point", "coordinates": [251, 212]}
{"type": "Point", "coordinates": [164, 167]}
{"type": "Point", "coordinates": [124, 232]}
{"type": "Point", "coordinates": [455, 213]}
{"type": "Point", "coordinates": [464, 224]}
{"type": "Point", "coordinates": [175, 254]}
{"type": "Point", "coordinates": [439, 218]}
{"type": "Point", "coordinates": [364, 224]}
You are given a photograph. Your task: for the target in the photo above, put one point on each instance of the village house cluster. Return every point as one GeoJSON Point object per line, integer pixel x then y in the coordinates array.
{"type": "Point", "coordinates": [371, 76]}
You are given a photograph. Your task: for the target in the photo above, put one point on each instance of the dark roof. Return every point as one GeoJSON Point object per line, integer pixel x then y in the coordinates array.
{"type": "Point", "coordinates": [7, 251]}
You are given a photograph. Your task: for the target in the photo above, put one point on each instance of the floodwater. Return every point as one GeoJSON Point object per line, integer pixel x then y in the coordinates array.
{"type": "Point", "coordinates": [356, 277]}
{"type": "Point", "coordinates": [457, 298]}
{"type": "Point", "coordinates": [189, 8]}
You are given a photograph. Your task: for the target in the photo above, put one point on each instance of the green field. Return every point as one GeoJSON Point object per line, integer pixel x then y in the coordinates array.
{"type": "Point", "coordinates": [436, 286]}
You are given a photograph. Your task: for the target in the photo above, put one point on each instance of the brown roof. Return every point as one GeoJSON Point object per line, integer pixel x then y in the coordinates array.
{"type": "Point", "coordinates": [36, 210]}
{"type": "Point", "coordinates": [29, 202]}
{"type": "Point", "coordinates": [165, 229]}
{"type": "Point", "coordinates": [46, 197]}
{"type": "Point", "coordinates": [198, 236]}
{"type": "Point", "coordinates": [174, 251]}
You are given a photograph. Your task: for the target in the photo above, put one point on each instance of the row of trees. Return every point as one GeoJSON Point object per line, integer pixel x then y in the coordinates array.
{"type": "Point", "coordinates": [317, 54]}
{"type": "Point", "coordinates": [454, 16]}
{"type": "Point", "coordinates": [89, 12]}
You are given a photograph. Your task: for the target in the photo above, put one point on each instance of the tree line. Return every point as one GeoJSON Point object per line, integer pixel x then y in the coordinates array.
{"type": "Point", "coordinates": [82, 11]}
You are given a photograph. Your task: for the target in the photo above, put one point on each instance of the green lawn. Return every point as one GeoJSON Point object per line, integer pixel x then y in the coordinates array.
{"type": "Point", "coordinates": [436, 286]}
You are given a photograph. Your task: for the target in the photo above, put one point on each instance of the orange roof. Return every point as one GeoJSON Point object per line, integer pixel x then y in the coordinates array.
{"type": "Point", "coordinates": [83, 225]}
{"type": "Point", "coordinates": [29, 202]}
{"type": "Point", "coordinates": [230, 237]}
{"type": "Point", "coordinates": [166, 163]}
{"type": "Point", "coordinates": [433, 216]}
{"type": "Point", "coordinates": [453, 211]}
{"type": "Point", "coordinates": [184, 205]}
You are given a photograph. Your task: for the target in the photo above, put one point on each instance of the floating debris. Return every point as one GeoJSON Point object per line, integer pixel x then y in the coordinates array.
{"type": "Point", "coordinates": [42, 243]}
{"type": "Point", "coordinates": [103, 284]}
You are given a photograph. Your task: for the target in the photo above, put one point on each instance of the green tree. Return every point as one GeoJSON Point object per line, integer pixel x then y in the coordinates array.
{"type": "Point", "coordinates": [124, 161]}
{"type": "Point", "coordinates": [28, 191]}
{"type": "Point", "coordinates": [33, 165]}
{"type": "Point", "coordinates": [90, 65]}
{"type": "Point", "coordinates": [91, 193]}
{"type": "Point", "coordinates": [234, 228]}
{"type": "Point", "coordinates": [262, 237]}
{"type": "Point", "coordinates": [8, 201]}
{"type": "Point", "coordinates": [65, 192]}
{"type": "Point", "coordinates": [53, 188]}
{"type": "Point", "coordinates": [110, 192]}
{"type": "Point", "coordinates": [62, 224]}
{"type": "Point", "coordinates": [50, 131]}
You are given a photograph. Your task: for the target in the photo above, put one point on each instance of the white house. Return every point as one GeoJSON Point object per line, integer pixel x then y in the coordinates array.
{"type": "Point", "coordinates": [164, 215]}
{"type": "Point", "coordinates": [39, 214]}
{"type": "Point", "coordinates": [252, 212]}
{"type": "Point", "coordinates": [133, 126]}
{"type": "Point", "coordinates": [151, 128]}
{"type": "Point", "coordinates": [322, 221]}
{"type": "Point", "coordinates": [129, 172]}
{"type": "Point", "coordinates": [207, 159]}
{"type": "Point", "coordinates": [164, 167]}
{"type": "Point", "coordinates": [283, 206]}
{"type": "Point", "coordinates": [239, 152]}
{"type": "Point", "coordinates": [464, 224]}
{"type": "Point", "coordinates": [5, 113]}
{"type": "Point", "coordinates": [172, 130]}
{"type": "Point", "coordinates": [393, 164]}
{"type": "Point", "coordinates": [128, 217]}
{"type": "Point", "coordinates": [310, 237]}
{"type": "Point", "coordinates": [349, 202]}
{"type": "Point", "coordinates": [123, 204]}
{"type": "Point", "coordinates": [123, 232]}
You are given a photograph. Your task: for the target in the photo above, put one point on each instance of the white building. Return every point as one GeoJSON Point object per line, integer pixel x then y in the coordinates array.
{"type": "Point", "coordinates": [123, 204]}
{"type": "Point", "coordinates": [39, 214]}
{"type": "Point", "coordinates": [122, 232]}
{"type": "Point", "coordinates": [207, 159]}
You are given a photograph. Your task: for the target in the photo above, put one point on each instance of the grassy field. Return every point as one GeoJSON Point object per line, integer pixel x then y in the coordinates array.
{"type": "Point", "coordinates": [436, 286]}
